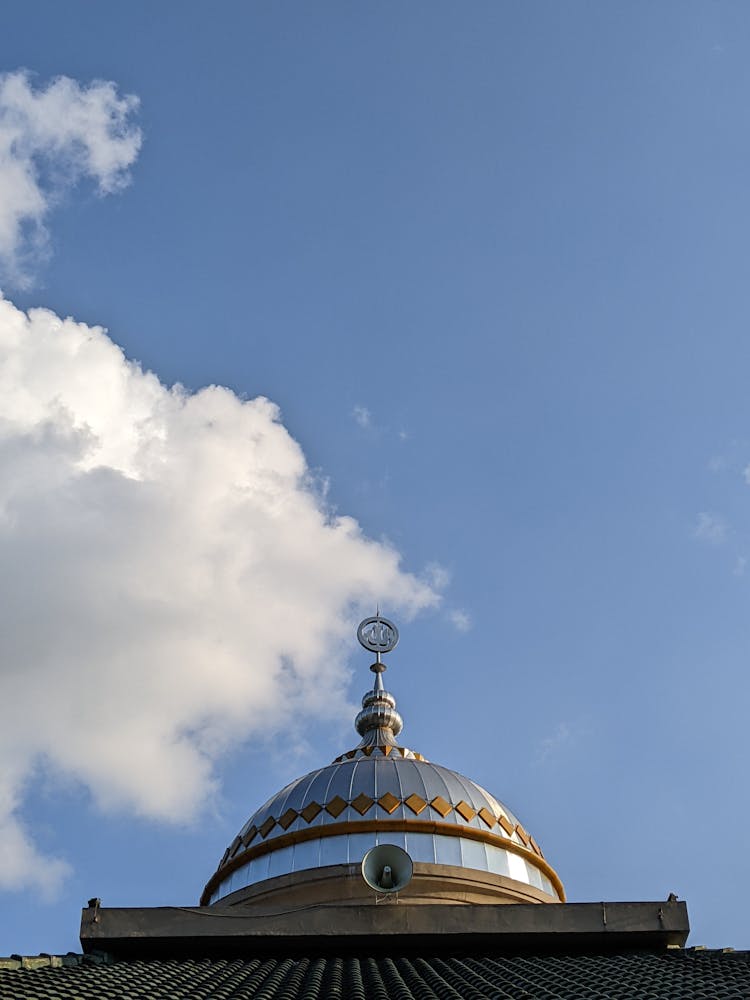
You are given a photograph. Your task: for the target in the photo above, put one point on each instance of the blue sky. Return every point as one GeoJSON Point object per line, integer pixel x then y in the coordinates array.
{"type": "Point", "coordinates": [491, 263]}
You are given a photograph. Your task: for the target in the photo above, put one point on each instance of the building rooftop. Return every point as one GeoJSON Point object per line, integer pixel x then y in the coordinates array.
{"type": "Point", "coordinates": [692, 974]}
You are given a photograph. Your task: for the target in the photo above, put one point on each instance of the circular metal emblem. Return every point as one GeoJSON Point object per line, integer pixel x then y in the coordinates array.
{"type": "Point", "coordinates": [377, 634]}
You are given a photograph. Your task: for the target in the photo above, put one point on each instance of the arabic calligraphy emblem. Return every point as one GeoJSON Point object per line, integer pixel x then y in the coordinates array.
{"type": "Point", "coordinates": [377, 634]}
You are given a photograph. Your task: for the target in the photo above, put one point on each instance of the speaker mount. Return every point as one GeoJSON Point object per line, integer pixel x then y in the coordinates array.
{"type": "Point", "coordinates": [387, 869]}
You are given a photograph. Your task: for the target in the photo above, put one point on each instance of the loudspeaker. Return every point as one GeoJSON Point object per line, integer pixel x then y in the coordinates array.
{"type": "Point", "coordinates": [387, 868]}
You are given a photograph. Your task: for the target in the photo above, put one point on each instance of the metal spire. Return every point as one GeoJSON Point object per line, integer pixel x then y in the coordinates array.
{"type": "Point", "coordinates": [378, 723]}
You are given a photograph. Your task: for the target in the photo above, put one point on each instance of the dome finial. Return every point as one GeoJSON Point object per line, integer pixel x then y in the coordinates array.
{"type": "Point", "coordinates": [379, 636]}
{"type": "Point", "coordinates": [378, 723]}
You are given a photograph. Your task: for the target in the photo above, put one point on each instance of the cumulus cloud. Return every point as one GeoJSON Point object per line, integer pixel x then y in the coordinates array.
{"type": "Point", "coordinates": [710, 528]}
{"type": "Point", "coordinates": [362, 416]}
{"type": "Point", "coordinates": [171, 581]}
{"type": "Point", "coordinates": [21, 865]}
{"type": "Point", "coordinates": [554, 744]}
{"type": "Point", "coordinates": [50, 138]}
{"type": "Point", "coordinates": [460, 619]}
{"type": "Point", "coordinates": [436, 576]}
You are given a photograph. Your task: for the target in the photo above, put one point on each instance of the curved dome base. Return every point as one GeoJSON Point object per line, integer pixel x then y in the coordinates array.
{"type": "Point", "coordinates": [344, 885]}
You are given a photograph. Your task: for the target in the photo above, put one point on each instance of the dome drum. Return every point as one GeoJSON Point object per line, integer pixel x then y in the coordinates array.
{"type": "Point", "coordinates": [343, 884]}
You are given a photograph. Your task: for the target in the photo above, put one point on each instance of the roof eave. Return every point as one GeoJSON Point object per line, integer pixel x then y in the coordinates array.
{"type": "Point", "coordinates": [594, 928]}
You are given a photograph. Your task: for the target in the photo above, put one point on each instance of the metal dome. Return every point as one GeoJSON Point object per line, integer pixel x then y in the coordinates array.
{"type": "Point", "coordinates": [377, 793]}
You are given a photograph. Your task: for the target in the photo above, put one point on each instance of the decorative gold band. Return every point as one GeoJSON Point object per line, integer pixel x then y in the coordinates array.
{"type": "Point", "coordinates": [380, 826]}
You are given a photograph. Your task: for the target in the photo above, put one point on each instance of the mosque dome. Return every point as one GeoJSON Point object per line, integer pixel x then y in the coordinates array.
{"type": "Point", "coordinates": [307, 842]}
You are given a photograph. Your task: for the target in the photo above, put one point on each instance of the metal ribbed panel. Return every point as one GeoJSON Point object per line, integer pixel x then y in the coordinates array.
{"type": "Point", "coordinates": [374, 777]}
{"type": "Point", "coordinates": [375, 789]}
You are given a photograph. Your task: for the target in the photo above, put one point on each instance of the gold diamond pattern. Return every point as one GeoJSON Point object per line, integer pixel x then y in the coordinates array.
{"type": "Point", "coordinates": [506, 825]}
{"type": "Point", "coordinates": [385, 748]}
{"type": "Point", "coordinates": [336, 806]}
{"type": "Point", "coordinates": [310, 811]}
{"type": "Point", "coordinates": [487, 817]}
{"type": "Point", "coordinates": [362, 803]}
{"type": "Point", "coordinates": [440, 805]}
{"type": "Point", "coordinates": [465, 810]}
{"type": "Point", "coordinates": [389, 802]}
{"type": "Point", "coordinates": [288, 818]}
{"type": "Point", "coordinates": [266, 827]}
{"type": "Point", "coordinates": [416, 803]}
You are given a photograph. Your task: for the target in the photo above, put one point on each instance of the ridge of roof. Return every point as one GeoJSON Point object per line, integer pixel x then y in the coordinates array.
{"type": "Point", "coordinates": [46, 961]}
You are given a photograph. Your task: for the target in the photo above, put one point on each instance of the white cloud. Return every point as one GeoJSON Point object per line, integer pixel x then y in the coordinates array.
{"type": "Point", "coordinates": [50, 138]}
{"type": "Point", "coordinates": [710, 528]}
{"type": "Point", "coordinates": [362, 416]}
{"type": "Point", "coordinates": [436, 576]}
{"type": "Point", "coordinates": [740, 566]}
{"type": "Point", "coordinates": [171, 582]}
{"type": "Point", "coordinates": [21, 865]}
{"type": "Point", "coordinates": [460, 619]}
{"type": "Point", "coordinates": [552, 745]}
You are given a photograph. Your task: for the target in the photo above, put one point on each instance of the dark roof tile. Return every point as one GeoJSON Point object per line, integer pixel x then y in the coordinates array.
{"type": "Point", "coordinates": [689, 975]}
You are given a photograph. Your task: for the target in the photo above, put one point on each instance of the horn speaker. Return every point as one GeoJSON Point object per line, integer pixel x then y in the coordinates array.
{"type": "Point", "coordinates": [387, 868]}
